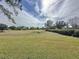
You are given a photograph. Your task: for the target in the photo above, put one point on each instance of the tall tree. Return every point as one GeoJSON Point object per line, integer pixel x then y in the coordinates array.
{"type": "Point", "coordinates": [74, 22]}
{"type": "Point", "coordinates": [49, 24]}
{"type": "Point", "coordinates": [60, 24]}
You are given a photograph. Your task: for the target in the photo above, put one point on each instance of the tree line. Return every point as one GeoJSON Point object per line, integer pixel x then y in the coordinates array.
{"type": "Point", "coordinates": [6, 27]}
{"type": "Point", "coordinates": [60, 24]}
{"type": "Point", "coordinates": [70, 28]}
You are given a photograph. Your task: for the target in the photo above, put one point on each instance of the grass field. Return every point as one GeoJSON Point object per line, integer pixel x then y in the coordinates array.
{"type": "Point", "coordinates": [34, 44]}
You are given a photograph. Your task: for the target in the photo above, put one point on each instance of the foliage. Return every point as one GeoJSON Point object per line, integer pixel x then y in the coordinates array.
{"type": "Point", "coordinates": [74, 22]}
{"type": "Point", "coordinates": [68, 32]}
{"type": "Point", "coordinates": [22, 28]}
{"type": "Point", "coordinates": [7, 13]}
{"type": "Point", "coordinates": [76, 33]}
{"type": "Point", "coordinates": [49, 24]}
{"type": "Point", "coordinates": [12, 28]}
{"type": "Point", "coordinates": [3, 27]}
{"type": "Point", "coordinates": [34, 28]}
{"type": "Point", "coordinates": [60, 24]}
{"type": "Point", "coordinates": [14, 4]}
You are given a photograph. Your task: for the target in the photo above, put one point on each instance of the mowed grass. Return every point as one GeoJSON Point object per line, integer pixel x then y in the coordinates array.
{"type": "Point", "coordinates": [35, 44]}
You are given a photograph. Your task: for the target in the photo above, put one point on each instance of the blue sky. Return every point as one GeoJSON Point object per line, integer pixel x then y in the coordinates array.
{"type": "Point", "coordinates": [37, 8]}
{"type": "Point", "coordinates": [33, 7]}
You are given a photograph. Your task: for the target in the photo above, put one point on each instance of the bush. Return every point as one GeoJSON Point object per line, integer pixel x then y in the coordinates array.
{"type": "Point", "coordinates": [76, 34]}
{"type": "Point", "coordinates": [68, 32]}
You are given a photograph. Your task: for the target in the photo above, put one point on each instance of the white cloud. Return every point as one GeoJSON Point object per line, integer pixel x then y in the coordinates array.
{"type": "Point", "coordinates": [68, 9]}
{"type": "Point", "coordinates": [46, 4]}
{"type": "Point", "coordinates": [26, 19]}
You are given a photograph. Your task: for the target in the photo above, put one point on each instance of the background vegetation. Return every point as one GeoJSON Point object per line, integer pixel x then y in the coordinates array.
{"type": "Point", "coordinates": [65, 28]}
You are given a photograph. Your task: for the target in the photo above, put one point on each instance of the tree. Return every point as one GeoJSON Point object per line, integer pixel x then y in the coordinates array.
{"type": "Point", "coordinates": [74, 22]}
{"type": "Point", "coordinates": [32, 28]}
{"type": "Point", "coordinates": [12, 27]}
{"type": "Point", "coordinates": [14, 4]}
{"type": "Point", "coordinates": [26, 28]}
{"type": "Point", "coordinates": [49, 24]}
{"type": "Point", "coordinates": [60, 24]}
{"type": "Point", "coordinates": [22, 28]}
{"type": "Point", "coordinates": [3, 27]}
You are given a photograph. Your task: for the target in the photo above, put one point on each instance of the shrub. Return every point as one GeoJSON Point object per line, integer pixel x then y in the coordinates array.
{"type": "Point", "coordinates": [63, 32]}
{"type": "Point", "coordinates": [76, 33]}
{"type": "Point", "coordinates": [67, 32]}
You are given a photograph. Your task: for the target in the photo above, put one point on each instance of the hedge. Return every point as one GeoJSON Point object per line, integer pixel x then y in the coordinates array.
{"type": "Point", "coordinates": [68, 32]}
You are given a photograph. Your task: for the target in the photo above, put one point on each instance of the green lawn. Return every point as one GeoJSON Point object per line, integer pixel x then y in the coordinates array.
{"type": "Point", "coordinates": [32, 44]}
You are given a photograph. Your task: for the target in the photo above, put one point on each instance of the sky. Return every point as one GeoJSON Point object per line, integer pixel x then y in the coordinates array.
{"type": "Point", "coordinates": [32, 14]}
{"type": "Point", "coordinates": [24, 18]}
{"type": "Point", "coordinates": [36, 12]}
{"type": "Point", "coordinates": [46, 4]}
{"type": "Point", "coordinates": [38, 8]}
{"type": "Point", "coordinates": [50, 8]}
